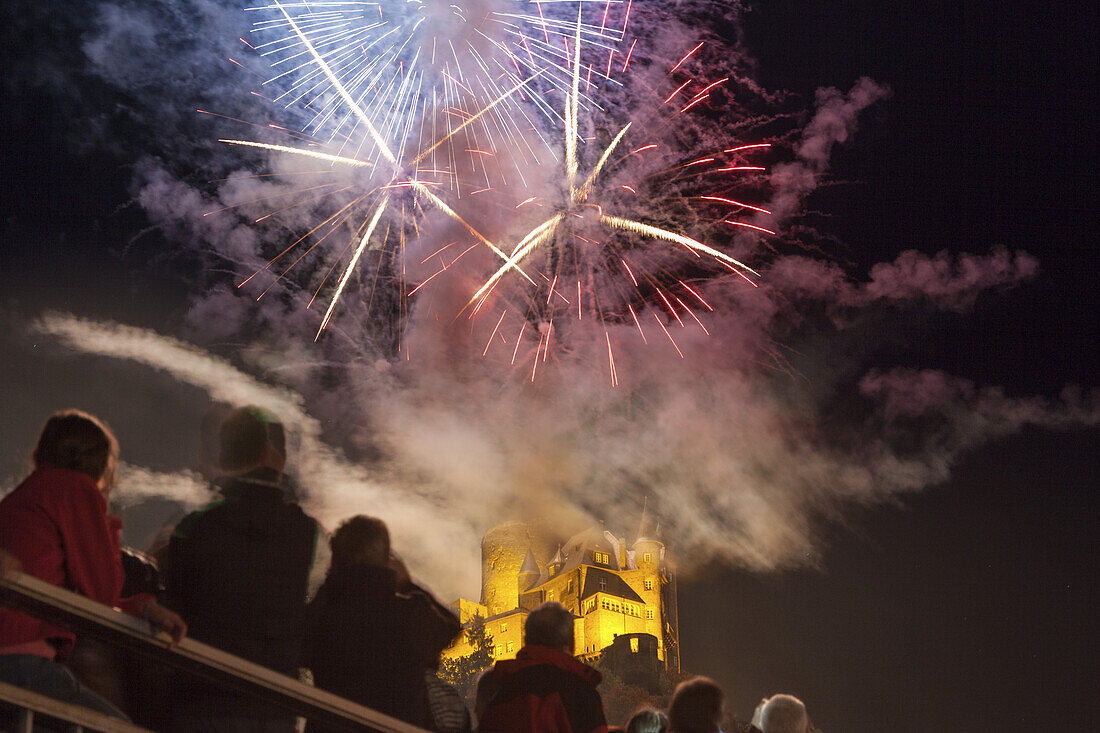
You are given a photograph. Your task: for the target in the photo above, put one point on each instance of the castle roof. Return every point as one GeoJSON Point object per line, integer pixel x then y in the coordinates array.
{"type": "Point", "coordinates": [578, 547]}
{"type": "Point", "coordinates": [597, 580]}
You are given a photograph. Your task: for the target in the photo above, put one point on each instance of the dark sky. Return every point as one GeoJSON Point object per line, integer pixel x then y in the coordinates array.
{"type": "Point", "coordinates": [968, 607]}
{"type": "Point", "coordinates": [972, 606]}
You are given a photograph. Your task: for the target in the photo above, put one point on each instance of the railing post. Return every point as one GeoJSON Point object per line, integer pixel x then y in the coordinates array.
{"type": "Point", "coordinates": [26, 721]}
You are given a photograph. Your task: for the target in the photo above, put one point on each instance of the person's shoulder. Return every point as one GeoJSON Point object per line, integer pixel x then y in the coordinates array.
{"type": "Point", "coordinates": [59, 488]}
{"type": "Point", "coordinates": [186, 526]}
{"type": "Point", "coordinates": [50, 480]}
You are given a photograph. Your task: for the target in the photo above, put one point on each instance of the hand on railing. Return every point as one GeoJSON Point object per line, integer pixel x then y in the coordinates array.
{"type": "Point", "coordinates": [167, 621]}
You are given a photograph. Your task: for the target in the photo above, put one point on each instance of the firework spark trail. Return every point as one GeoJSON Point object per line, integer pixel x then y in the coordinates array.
{"type": "Point", "coordinates": [343, 160]}
{"type": "Point", "coordinates": [352, 262]}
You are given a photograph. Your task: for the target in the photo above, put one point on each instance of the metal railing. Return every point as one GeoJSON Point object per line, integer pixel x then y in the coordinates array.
{"type": "Point", "coordinates": [95, 620]}
{"type": "Point", "coordinates": [31, 704]}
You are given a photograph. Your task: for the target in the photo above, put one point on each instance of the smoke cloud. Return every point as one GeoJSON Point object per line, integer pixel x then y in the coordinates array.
{"type": "Point", "coordinates": [726, 427]}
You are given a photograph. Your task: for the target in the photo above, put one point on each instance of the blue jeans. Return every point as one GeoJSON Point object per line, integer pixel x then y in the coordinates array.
{"type": "Point", "coordinates": [52, 679]}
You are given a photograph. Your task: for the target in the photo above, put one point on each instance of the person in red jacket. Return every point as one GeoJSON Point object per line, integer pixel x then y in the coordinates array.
{"type": "Point", "coordinates": [55, 523]}
{"type": "Point", "coordinates": [545, 689]}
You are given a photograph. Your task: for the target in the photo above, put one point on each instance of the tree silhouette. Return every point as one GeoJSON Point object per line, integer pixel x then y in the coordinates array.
{"type": "Point", "coordinates": [462, 672]}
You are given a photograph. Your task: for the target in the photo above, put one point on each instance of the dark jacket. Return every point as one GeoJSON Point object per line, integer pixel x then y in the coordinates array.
{"type": "Point", "coordinates": [371, 644]}
{"type": "Point", "coordinates": [237, 571]}
{"type": "Point", "coordinates": [542, 690]}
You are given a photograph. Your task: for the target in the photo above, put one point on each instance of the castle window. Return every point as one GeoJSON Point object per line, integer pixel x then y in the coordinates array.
{"type": "Point", "coordinates": [569, 588]}
{"type": "Point", "coordinates": [601, 557]}
{"type": "Point", "coordinates": [647, 557]}
{"type": "Point", "coordinates": [634, 644]}
{"type": "Point", "coordinates": [603, 584]}
{"type": "Point", "coordinates": [549, 595]}
{"type": "Point", "coordinates": [648, 583]}
{"type": "Point", "coordinates": [511, 646]}
{"type": "Point", "coordinates": [503, 627]}
{"type": "Point", "coordinates": [649, 613]}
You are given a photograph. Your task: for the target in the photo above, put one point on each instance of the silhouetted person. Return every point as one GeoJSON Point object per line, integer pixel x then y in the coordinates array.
{"type": "Point", "coordinates": [239, 572]}
{"type": "Point", "coordinates": [372, 632]}
{"type": "Point", "coordinates": [544, 689]}
{"type": "Point", "coordinates": [55, 523]}
{"type": "Point", "coordinates": [784, 714]}
{"type": "Point", "coordinates": [647, 720]}
{"type": "Point", "coordinates": [697, 706]}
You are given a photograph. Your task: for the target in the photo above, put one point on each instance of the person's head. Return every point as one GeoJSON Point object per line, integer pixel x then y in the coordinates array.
{"type": "Point", "coordinates": [80, 442]}
{"type": "Point", "coordinates": [209, 446]}
{"type": "Point", "coordinates": [784, 714]}
{"type": "Point", "coordinates": [647, 720]}
{"type": "Point", "coordinates": [251, 438]}
{"type": "Point", "coordinates": [550, 625]}
{"type": "Point", "coordinates": [697, 706]}
{"type": "Point", "coordinates": [361, 540]}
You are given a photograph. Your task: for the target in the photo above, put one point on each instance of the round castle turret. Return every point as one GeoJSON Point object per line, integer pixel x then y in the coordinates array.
{"type": "Point", "coordinates": [648, 554]}
{"type": "Point", "coordinates": [502, 552]}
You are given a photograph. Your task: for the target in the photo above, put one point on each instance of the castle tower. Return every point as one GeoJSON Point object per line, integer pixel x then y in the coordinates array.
{"type": "Point", "coordinates": [502, 553]}
{"type": "Point", "coordinates": [649, 555]}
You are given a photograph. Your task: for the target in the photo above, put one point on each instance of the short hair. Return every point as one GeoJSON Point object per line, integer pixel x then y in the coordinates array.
{"type": "Point", "coordinates": [549, 625]}
{"type": "Point", "coordinates": [244, 435]}
{"type": "Point", "coordinates": [647, 720]}
{"type": "Point", "coordinates": [78, 441]}
{"type": "Point", "coordinates": [784, 714]}
{"type": "Point", "coordinates": [696, 706]}
{"type": "Point", "coordinates": [361, 540]}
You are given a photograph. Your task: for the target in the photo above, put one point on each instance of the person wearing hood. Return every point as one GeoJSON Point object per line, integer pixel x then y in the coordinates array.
{"type": "Point", "coordinates": [373, 634]}
{"type": "Point", "coordinates": [545, 689]}
{"type": "Point", "coordinates": [240, 572]}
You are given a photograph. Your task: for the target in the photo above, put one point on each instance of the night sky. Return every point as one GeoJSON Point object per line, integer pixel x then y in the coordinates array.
{"type": "Point", "coordinates": [968, 606]}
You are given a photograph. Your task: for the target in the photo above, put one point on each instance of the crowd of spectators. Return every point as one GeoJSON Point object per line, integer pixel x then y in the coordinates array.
{"type": "Point", "coordinates": [252, 574]}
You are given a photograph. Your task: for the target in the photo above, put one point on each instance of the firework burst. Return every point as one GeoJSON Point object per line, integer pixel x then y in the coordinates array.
{"type": "Point", "coordinates": [417, 128]}
{"type": "Point", "coordinates": [418, 96]}
{"type": "Point", "coordinates": [593, 246]}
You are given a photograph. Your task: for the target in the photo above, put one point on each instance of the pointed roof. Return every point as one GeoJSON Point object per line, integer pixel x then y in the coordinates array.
{"type": "Point", "coordinates": [530, 565]}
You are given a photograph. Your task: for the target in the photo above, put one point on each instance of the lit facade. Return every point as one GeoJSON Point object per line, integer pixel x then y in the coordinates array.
{"type": "Point", "coordinates": [611, 588]}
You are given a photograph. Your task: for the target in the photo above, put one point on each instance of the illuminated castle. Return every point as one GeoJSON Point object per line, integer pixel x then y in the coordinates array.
{"type": "Point", "coordinates": [612, 589]}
